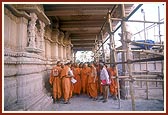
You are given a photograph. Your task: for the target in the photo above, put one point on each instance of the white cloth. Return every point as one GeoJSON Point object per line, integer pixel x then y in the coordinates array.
{"type": "Point", "coordinates": [104, 75]}
{"type": "Point", "coordinates": [70, 73]}
{"type": "Point", "coordinates": [73, 80]}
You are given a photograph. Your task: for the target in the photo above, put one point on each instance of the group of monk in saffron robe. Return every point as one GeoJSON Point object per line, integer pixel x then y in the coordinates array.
{"type": "Point", "coordinates": [87, 78]}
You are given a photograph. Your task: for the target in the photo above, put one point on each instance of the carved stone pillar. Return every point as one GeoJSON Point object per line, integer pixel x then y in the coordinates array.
{"type": "Point", "coordinates": [69, 52]}
{"type": "Point", "coordinates": [55, 35]}
{"type": "Point", "coordinates": [61, 38]}
{"type": "Point", "coordinates": [25, 73]}
{"type": "Point", "coordinates": [64, 53]}
{"type": "Point", "coordinates": [7, 32]}
{"type": "Point", "coordinates": [22, 36]}
{"type": "Point", "coordinates": [56, 50]}
{"type": "Point", "coordinates": [68, 48]}
{"type": "Point", "coordinates": [67, 44]}
{"type": "Point", "coordinates": [31, 30]}
{"type": "Point", "coordinates": [62, 50]}
{"type": "Point", "coordinates": [42, 25]}
{"type": "Point", "coordinates": [59, 51]}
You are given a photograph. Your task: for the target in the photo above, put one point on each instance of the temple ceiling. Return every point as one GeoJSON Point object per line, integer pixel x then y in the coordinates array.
{"type": "Point", "coordinates": [83, 21]}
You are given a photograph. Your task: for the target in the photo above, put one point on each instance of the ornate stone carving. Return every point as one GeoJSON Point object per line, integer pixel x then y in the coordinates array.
{"type": "Point", "coordinates": [38, 8]}
{"type": "Point", "coordinates": [61, 38]}
{"type": "Point", "coordinates": [42, 25]}
{"type": "Point", "coordinates": [35, 34]}
{"type": "Point", "coordinates": [55, 35]}
{"type": "Point", "coordinates": [31, 30]}
{"type": "Point", "coordinates": [66, 38]}
{"type": "Point", "coordinates": [24, 76]}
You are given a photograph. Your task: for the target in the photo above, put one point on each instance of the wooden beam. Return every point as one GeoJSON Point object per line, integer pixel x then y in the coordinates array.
{"type": "Point", "coordinates": [75, 12]}
{"type": "Point", "coordinates": [82, 18]}
{"type": "Point", "coordinates": [82, 25]}
{"type": "Point", "coordinates": [83, 43]}
{"type": "Point", "coordinates": [72, 22]}
{"type": "Point", "coordinates": [82, 48]}
{"type": "Point", "coordinates": [83, 35]}
{"type": "Point", "coordinates": [138, 76]}
{"type": "Point", "coordinates": [147, 80]}
{"type": "Point", "coordinates": [141, 60]}
{"type": "Point", "coordinates": [78, 6]}
{"type": "Point", "coordinates": [80, 39]}
{"type": "Point", "coordinates": [80, 28]}
{"type": "Point", "coordinates": [143, 51]}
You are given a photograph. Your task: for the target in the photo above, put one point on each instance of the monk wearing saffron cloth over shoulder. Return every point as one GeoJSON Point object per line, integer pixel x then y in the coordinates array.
{"type": "Point", "coordinates": [113, 84]}
{"type": "Point", "coordinates": [84, 78]}
{"type": "Point", "coordinates": [66, 76]}
{"type": "Point", "coordinates": [77, 85]}
{"type": "Point", "coordinates": [92, 82]}
{"type": "Point", "coordinates": [55, 81]}
{"type": "Point", "coordinates": [99, 87]}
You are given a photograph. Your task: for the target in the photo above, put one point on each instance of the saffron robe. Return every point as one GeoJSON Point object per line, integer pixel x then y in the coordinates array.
{"type": "Point", "coordinates": [66, 83]}
{"type": "Point", "coordinates": [77, 85]}
{"type": "Point", "coordinates": [84, 79]}
{"type": "Point", "coordinates": [113, 84]}
{"type": "Point", "coordinates": [55, 81]}
{"type": "Point", "coordinates": [92, 82]}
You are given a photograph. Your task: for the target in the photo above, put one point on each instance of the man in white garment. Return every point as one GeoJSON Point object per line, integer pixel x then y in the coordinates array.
{"type": "Point", "coordinates": [104, 77]}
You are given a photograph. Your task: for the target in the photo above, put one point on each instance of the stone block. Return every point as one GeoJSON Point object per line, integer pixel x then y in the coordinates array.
{"type": "Point", "coordinates": [10, 91]}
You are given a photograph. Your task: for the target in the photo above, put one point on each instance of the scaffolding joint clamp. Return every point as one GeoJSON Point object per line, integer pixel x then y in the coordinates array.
{"type": "Point", "coordinates": [129, 61]}
{"type": "Point", "coordinates": [131, 78]}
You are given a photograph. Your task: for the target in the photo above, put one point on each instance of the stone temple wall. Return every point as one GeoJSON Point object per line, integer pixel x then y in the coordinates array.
{"type": "Point", "coordinates": [30, 51]}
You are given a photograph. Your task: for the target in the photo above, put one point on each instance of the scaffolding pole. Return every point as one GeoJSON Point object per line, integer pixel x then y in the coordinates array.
{"type": "Point", "coordinates": [104, 60]}
{"type": "Point", "coordinates": [128, 53]}
{"type": "Point", "coordinates": [139, 56]}
{"type": "Point", "coordinates": [113, 55]}
{"type": "Point", "coordinates": [143, 51]}
{"type": "Point", "coordinates": [112, 11]}
{"type": "Point", "coordinates": [146, 80]}
{"type": "Point", "coordinates": [159, 24]}
{"type": "Point", "coordinates": [139, 76]}
{"type": "Point", "coordinates": [161, 43]}
{"type": "Point", "coordinates": [141, 60]}
{"type": "Point", "coordinates": [147, 84]}
{"type": "Point", "coordinates": [140, 21]}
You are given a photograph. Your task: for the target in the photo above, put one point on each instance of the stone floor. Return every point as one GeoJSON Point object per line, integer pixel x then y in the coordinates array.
{"type": "Point", "coordinates": [83, 103]}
